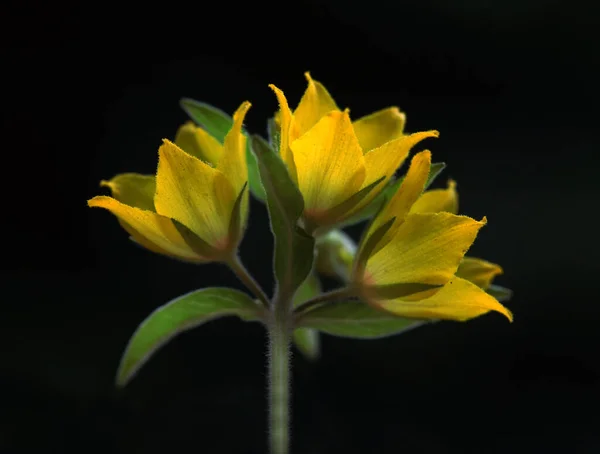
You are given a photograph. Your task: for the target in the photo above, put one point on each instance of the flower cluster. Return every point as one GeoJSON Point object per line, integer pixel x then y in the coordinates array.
{"type": "Point", "coordinates": [411, 259]}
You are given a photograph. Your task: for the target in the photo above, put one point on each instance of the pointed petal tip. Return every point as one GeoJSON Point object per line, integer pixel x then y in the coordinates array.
{"type": "Point", "coordinates": [426, 154]}
{"type": "Point", "coordinates": [507, 313]}
{"type": "Point", "coordinates": [243, 108]}
{"type": "Point", "coordinates": [308, 77]}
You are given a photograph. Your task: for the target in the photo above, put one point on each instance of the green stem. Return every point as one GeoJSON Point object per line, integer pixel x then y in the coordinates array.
{"type": "Point", "coordinates": [236, 265]}
{"type": "Point", "coordinates": [279, 377]}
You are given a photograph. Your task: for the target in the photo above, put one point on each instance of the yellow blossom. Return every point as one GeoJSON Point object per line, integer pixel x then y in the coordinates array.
{"type": "Point", "coordinates": [196, 206]}
{"type": "Point", "coordinates": [411, 261]}
{"type": "Point", "coordinates": [339, 165]}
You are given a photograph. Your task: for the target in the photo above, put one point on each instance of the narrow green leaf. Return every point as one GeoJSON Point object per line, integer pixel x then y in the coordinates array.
{"type": "Point", "coordinates": [256, 187]}
{"type": "Point", "coordinates": [371, 209]}
{"type": "Point", "coordinates": [217, 123]}
{"type": "Point", "coordinates": [235, 223]}
{"type": "Point", "coordinates": [273, 132]}
{"type": "Point", "coordinates": [500, 293]}
{"type": "Point", "coordinates": [294, 248]}
{"type": "Point", "coordinates": [365, 250]}
{"type": "Point", "coordinates": [355, 319]}
{"type": "Point", "coordinates": [307, 340]}
{"type": "Point", "coordinates": [181, 314]}
{"type": "Point", "coordinates": [197, 244]}
{"type": "Point", "coordinates": [391, 291]}
{"type": "Point", "coordinates": [342, 208]}
{"type": "Point", "coordinates": [434, 171]}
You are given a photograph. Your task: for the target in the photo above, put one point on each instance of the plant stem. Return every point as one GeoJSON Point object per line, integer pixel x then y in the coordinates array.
{"type": "Point", "coordinates": [279, 376]}
{"type": "Point", "coordinates": [339, 293]}
{"type": "Point", "coordinates": [243, 275]}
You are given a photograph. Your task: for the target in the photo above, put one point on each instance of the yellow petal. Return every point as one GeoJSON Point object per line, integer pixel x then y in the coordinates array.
{"type": "Point", "coordinates": [133, 189]}
{"type": "Point", "coordinates": [288, 132]}
{"type": "Point", "coordinates": [315, 103]}
{"type": "Point", "coordinates": [384, 160]}
{"type": "Point", "coordinates": [193, 193]}
{"type": "Point", "coordinates": [153, 231]}
{"type": "Point", "coordinates": [379, 127]}
{"type": "Point", "coordinates": [329, 162]}
{"type": "Point", "coordinates": [233, 162]}
{"type": "Point", "coordinates": [438, 200]}
{"type": "Point", "coordinates": [426, 249]}
{"type": "Point", "coordinates": [199, 143]}
{"type": "Point", "coordinates": [458, 300]}
{"type": "Point", "coordinates": [401, 202]}
{"type": "Point", "coordinates": [479, 272]}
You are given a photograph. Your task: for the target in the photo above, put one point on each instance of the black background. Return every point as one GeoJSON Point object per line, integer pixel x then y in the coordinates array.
{"type": "Point", "coordinates": [89, 90]}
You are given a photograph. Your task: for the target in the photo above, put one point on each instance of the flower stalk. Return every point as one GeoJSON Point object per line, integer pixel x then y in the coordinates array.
{"type": "Point", "coordinates": [280, 329]}
{"type": "Point", "coordinates": [238, 268]}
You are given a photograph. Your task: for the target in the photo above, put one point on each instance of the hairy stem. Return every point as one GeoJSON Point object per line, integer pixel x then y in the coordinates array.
{"type": "Point", "coordinates": [236, 265]}
{"type": "Point", "coordinates": [279, 376]}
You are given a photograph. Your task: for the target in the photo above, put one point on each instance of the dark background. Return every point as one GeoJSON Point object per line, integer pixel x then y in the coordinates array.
{"type": "Point", "coordinates": [89, 90]}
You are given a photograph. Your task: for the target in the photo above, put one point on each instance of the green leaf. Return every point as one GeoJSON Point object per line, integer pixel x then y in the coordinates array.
{"type": "Point", "coordinates": [355, 319]}
{"type": "Point", "coordinates": [434, 171]}
{"type": "Point", "coordinates": [273, 133]}
{"type": "Point", "coordinates": [217, 123]}
{"type": "Point", "coordinates": [500, 293]}
{"type": "Point", "coordinates": [399, 290]}
{"type": "Point", "coordinates": [256, 187]}
{"type": "Point", "coordinates": [371, 209]}
{"type": "Point", "coordinates": [182, 314]}
{"type": "Point", "coordinates": [197, 244]}
{"type": "Point", "coordinates": [294, 248]}
{"type": "Point", "coordinates": [307, 340]}
{"type": "Point", "coordinates": [343, 207]}
{"type": "Point", "coordinates": [235, 223]}
{"type": "Point", "coordinates": [366, 249]}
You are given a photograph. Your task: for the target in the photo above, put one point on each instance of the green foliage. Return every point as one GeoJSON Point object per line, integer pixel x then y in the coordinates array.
{"type": "Point", "coordinates": [181, 314]}
{"type": "Point", "coordinates": [355, 319]}
{"type": "Point", "coordinates": [500, 293]}
{"type": "Point", "coordinates": [307, 340]}
{"type": "Point", "coordinates": [294, 248]}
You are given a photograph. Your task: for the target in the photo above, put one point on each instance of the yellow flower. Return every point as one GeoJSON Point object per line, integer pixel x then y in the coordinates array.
{"type": "Point", "coordinates": [339, 165]}
{"type": "Point", "coordinates": [411, 261]}
{"type": "Point", "coordinates": [478, 271]}
{"type": "Point", "coordinates": [196, 206]}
